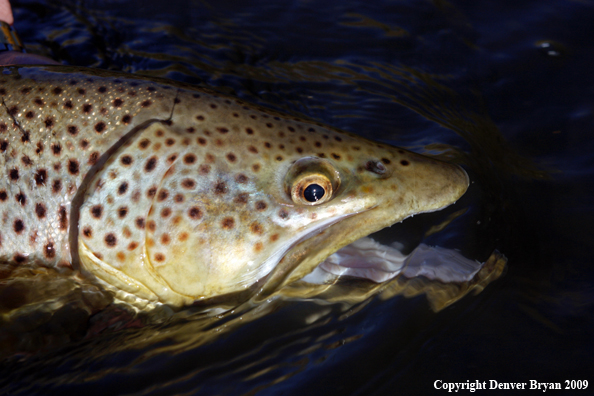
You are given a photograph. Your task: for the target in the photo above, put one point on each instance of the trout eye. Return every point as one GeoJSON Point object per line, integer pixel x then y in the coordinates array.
{"type": "Point", "coordinates": [313, 193]}
{"type": "Point", "coordinates": [311, 190]}
{"type": "Point", "coordinates": [312, 181]}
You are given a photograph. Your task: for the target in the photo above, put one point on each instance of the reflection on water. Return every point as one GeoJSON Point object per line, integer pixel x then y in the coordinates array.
{"type": "Point", "coordinates": [320, 308]}
{"type": "Point", "coordinates": [443, 78]}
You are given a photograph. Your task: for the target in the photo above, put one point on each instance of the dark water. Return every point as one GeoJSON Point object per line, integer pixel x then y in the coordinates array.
{"type": "Point", "coordinates": [504, 88]}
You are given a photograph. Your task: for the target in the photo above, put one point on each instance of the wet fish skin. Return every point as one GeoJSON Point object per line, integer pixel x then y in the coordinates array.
{"type": "Point", "coordinates": [173, 194]}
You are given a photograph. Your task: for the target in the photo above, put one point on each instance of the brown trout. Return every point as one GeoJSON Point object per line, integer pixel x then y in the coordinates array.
{"type": "Point", "coordinates": [167, 193]}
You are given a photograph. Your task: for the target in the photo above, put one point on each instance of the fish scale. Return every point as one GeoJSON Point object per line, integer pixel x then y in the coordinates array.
{"type": "Point", "coordinates": [53, 129]}
{"type": "Point", "coordinates": [173, 194]}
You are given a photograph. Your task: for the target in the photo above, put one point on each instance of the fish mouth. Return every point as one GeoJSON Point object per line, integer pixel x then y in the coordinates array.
{"type": "Point", "coordinates": [271, 264]}
{"type": "Point", "coordinates": [304, 253]}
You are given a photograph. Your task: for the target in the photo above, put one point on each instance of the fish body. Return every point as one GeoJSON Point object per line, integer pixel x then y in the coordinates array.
{"type": "Point", "coordinates": [167, 193]}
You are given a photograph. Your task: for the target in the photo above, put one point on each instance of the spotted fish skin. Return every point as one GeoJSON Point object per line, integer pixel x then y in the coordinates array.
{"type": "Point", "coordinates": [54, 127]}
{"type": "Point", "coordinates": [171, 194]}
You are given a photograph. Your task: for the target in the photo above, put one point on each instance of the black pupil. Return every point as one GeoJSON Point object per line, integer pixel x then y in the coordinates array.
{"type": "Point", "coordinates": [313, 193]}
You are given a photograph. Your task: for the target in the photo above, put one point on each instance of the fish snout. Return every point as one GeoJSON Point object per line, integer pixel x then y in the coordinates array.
{"type": "Point", "coordinates": [433, 184]}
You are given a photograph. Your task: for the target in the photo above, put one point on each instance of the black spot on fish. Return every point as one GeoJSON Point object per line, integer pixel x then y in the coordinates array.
{"type": "Point", "coordinates": [163, 194]}
{"type": "Point", "coordinates": [123, 188]}
{"type": "Point", "coordinates": [140, 222]}
{"type": "Point", "coordinates": [56, 148]}
{"type": "Point", "coordinates": [93, 158]}
{"type": "Point", "coordinates": [122, 212]}
{"type": "Point", "coordinates": [56, 186]}
{"type": "Point", "coordinates": [87, 108]}
{"type": "Point", "coordinates": [26, 160]}
{"type": "Point", "coordinates": [220, 188]}
{"type": "Point", "coordinates": [21, 198]}
{"type": "Point", "coordinates": [189, 159]}
{"type": "Point", "coordinates": [228, 223]}
{"type": "Point", "coordinates": [14, 174]}
{"type": "Point", "coordinates": [18, 226]}
{"type": "Point", "coordinates": [195, 213]}
{"type": "Point", "coordinates": [62, 218]}
{"type": "Point", "coordinates": [126, 160]}
{"type": "Point", "coordinates": [40, 210]}
{"type": "Point", "coordinates": [100, 127]}
{"type": "Point", "coordinates": [144, 143]}
{"type": "Point", "coordinates": [188, 183]}
{"type": "Point", "coordinates": [73, 130]}
{"type": "Point", "coordinates": [110, 240]}
{"type": "Point", "coordinates": [49, 251]}
{"type": "Point", "coordinates": [73, 166]}
{"type": "Point", "coordinates": [97, 211]}
{"type": "Point", "coordinates": [241, 198]}
{"type": "Point", "coordinates": [283, 214]}
{"type": "Point", "coordinates": [151, 164]}
{"type": "Point", "coordinates": [40, 177]}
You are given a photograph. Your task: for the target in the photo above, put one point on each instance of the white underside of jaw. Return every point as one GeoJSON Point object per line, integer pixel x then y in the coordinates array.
{"type": "Point", "coordinates": [368, 259]}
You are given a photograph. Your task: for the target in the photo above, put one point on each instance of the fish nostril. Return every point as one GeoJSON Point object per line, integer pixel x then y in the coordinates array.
{"type": "Point", "coordinates": [376, 167]}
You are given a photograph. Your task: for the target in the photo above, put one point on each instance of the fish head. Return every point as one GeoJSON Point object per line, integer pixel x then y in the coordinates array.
{"type": "Point", "coordinates": [184, 212]}
{"type": "Point", "coordinates": [366, 188]}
